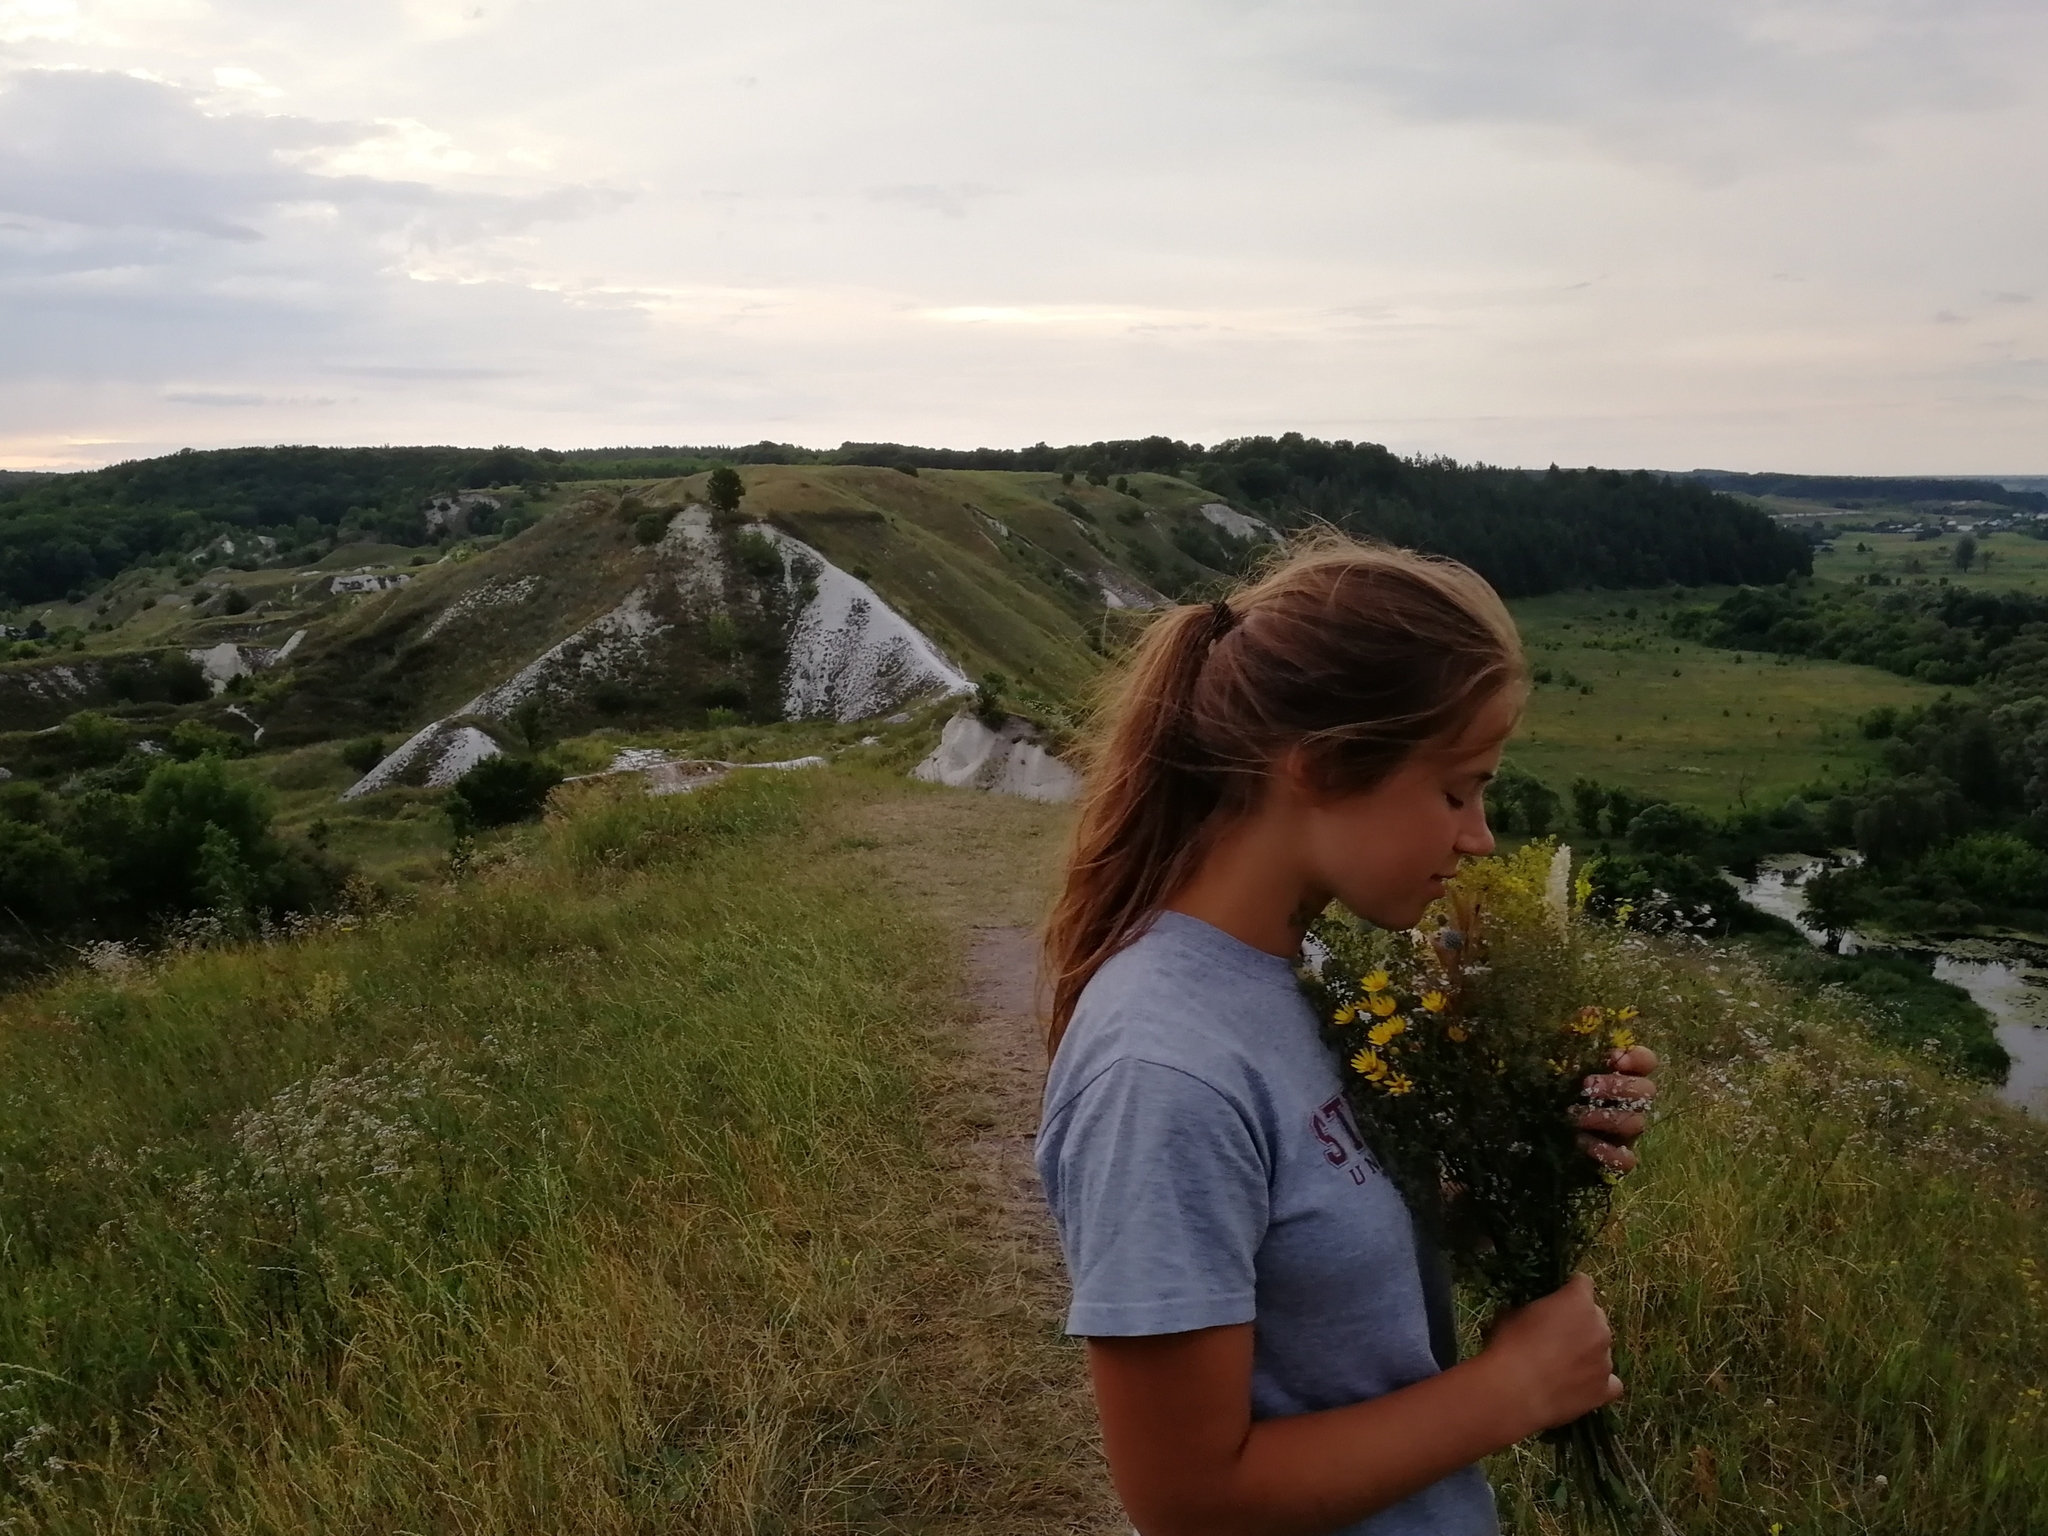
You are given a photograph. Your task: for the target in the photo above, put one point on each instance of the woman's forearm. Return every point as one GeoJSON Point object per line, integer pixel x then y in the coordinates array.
{"type": "Point", "coordinates": [1318, 1472]}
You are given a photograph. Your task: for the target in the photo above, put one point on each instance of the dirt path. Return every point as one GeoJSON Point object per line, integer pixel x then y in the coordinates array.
{"type": "Point", "coordinates": [985, 863]}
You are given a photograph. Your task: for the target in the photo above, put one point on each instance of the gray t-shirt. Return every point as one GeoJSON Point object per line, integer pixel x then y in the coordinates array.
{"type": "Point", "coordinates": [1204, 1170]}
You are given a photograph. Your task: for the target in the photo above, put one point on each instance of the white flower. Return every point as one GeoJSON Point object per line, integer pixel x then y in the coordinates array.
{"type": "Point", "coordinates": [1557, 887]}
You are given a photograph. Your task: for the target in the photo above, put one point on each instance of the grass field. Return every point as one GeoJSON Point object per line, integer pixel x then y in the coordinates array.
{"type": "Point", "coordinates": [616, 1188]}
{"type": "Point", "coordinates": [606, 1191]}
{"type": "Point", "coordinates": [1628, 705]}
{"type": "Point", "coordinates": [2015, 563]}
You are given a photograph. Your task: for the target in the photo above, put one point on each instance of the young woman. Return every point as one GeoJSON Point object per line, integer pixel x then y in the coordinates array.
{"type": "Point", "coordinates": [1270, 1343]}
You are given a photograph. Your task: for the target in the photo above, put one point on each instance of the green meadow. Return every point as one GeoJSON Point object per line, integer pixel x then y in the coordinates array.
{"type": "Point", "coordinates": [2015, 563]}
{"type": "Point", "coordinates": [1619, 700]}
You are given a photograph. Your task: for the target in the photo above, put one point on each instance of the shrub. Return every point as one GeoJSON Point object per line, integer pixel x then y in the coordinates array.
{"type": "Point", "coordinates": [648, 527]}
{"type": "Point", "coordinates": [236, 601]}
{"type": "Point", "coordinates": [988, 699]}
{"type": "Point", "coordinates": [756, 555]}
{"type": "Point", "coordinates": [93, 738]}
{"type": "Point", "coordinates": [501, 790]}
{"type": "Point", "coordinates": [364, 753]}
{"type": "Point", "coordinates": [191, 739]}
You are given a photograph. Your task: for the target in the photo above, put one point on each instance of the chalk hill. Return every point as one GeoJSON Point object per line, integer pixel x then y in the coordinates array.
{"type": "Point", "coordinates": [838, 592]}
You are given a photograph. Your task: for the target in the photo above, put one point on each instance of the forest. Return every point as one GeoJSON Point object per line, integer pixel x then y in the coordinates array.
{"type": "Point", "coordinates": [61, 535]}
{"type": "Point", "coordinates": [1954, 832]}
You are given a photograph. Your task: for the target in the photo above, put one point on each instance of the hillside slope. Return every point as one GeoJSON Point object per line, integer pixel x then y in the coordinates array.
{"type": "Point", "coordinates": [844, 592]}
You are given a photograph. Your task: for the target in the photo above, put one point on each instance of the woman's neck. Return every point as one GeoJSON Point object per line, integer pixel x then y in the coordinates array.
{"type": "Point", "coordinates": [1248, 886]}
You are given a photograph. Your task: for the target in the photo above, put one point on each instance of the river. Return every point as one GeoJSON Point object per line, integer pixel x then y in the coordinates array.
{"type": "Point", "coordinates": [2007, 978]}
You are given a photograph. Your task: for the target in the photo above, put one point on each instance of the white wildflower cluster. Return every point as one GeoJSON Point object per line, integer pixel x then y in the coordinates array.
{"type": "Point", "coordinates": [110, 958]}
{"type": "Point", "coordinates": [348, 1150]}
{"type": "Point", "coordinates": [27, 1457]}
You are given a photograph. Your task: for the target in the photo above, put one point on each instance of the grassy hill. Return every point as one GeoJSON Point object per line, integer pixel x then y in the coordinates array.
{"type": "Point", "coordinates": [625, 1184]}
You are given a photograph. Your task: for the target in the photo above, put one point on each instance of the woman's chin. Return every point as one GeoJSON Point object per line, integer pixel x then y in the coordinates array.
{"type": "Point", "coordinates": [1395, 915]}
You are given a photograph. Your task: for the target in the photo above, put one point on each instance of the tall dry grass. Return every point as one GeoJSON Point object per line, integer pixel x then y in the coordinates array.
{"type": "Point", "coordinates": [1825, 1279]}
{"type": "Point", "coordinates": [594, 1195]}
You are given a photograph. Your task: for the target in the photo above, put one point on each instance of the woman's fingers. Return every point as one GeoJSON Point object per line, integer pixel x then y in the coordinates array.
{"type": "Point", "coordinates": [1620, 1088]}
{"type": "Point", "coordinates": [1637, 1061]}
{"type": "Point", "coordinates": [1601, 1121]}
{"type": "Point", "coordinates": [1612, 1154]}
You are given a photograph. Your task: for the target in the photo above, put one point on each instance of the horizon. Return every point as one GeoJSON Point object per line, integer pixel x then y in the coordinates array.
{"type": "Point", "coordinates": [741, 445]}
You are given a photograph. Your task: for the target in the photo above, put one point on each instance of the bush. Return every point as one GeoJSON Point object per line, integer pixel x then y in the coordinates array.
{"type": "Point", "coordinates": [1995, 868]}
{"type": "Point", "coordinates": [756, 555]}
{"type": "Point", "coordinates": [191, 739]}
{"type": "Point", "coordinates": [93, 738]}
{"type": "Point", "coordinates": [43, 879]}
{"type": "Point", "coordinates": [501, 790]}
{"type": "Point", "coordinates": [236, 601]}
{"type": "Point", "coordinates": [648, 527]}
{"type": "Point", "coordinates": [364, 753]}
{"type": "Point", "coordinates": [1666, 828]}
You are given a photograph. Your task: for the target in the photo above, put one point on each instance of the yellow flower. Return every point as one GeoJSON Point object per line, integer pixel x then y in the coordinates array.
{"type": "Point", "coordinates": [1558, 1068]}
{"type": "Point", "coordinates": [1368, 1065]}
{"type": "Point", "coordinates": [1376, 981]}
{"type": "Point", "coordinates": [1586, 1021]}
{"type": "Point", "coordinates": [1399, 1083]}
{"type": "Point", "coordinates": [1458, 1032]}
{"type": "Point", "coordinates": [1345, 1015]}
{"type": "Point", "coordinates": [1626, 1014]}
{"type": "Point", "coordinates": [1382, 1003]}
{"type": "Point", "coordinates": [1385, 1030]}
{"type": "Point", "coordinates": [1622, 1039]}
{"type": "Point", "coordinates": [1435, 1002]}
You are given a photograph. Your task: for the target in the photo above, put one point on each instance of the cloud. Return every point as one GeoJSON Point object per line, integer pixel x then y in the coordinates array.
{"type": "Point", "coordinates": [107, 151]}
{"type": "Point", "coordinates": [1714, 89]}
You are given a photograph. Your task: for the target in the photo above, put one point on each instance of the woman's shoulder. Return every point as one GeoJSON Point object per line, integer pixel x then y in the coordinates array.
{"type": "Point", "coordinates": [1187, 997]}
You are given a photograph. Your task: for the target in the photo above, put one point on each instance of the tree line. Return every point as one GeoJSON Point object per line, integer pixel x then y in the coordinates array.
{"type": "Point", "coordinates": [61, 535]}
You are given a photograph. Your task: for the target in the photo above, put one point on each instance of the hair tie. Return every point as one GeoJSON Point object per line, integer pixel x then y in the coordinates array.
{"type": "Point", "coordinates": [1221, 620]}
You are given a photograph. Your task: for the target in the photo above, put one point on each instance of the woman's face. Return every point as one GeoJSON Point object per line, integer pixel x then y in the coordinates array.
{"type": "Point", "coordinates": [1387, 851]}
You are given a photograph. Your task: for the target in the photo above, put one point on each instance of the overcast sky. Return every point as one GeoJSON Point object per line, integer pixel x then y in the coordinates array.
{"type": "Point", "coordinates": [1752, 234]}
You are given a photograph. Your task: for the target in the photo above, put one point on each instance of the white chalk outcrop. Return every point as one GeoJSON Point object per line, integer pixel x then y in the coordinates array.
{"type": "Point", "coordinates": [364, 582]}
{"type": "Point", "coordinates": [1008, 761]}
{"type": "Point", "coordinates": [850, 654]}
{"type": "Point", "coordinates": [449, 751]}
{"type": "Point", "coordinates": [1239, 525]}
{"type": "Point", "coordinates": [1120, 591]}
{"type": "Point", "coordinates": [221, 663]}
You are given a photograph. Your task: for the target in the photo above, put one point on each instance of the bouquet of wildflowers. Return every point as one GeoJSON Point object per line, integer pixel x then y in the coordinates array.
{"type": "Point", "coordinates": [1465, 1044]}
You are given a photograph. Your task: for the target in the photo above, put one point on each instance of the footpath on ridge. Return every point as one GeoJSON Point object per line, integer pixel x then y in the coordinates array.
{"type": "Point", "coordinates": [984, 864]}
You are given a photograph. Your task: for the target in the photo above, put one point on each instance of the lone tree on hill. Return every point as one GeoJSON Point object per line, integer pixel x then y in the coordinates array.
{"type": "Point", "coordinates": [1966, 552]}
{"type": "Point", "coordinates": [725, 488]}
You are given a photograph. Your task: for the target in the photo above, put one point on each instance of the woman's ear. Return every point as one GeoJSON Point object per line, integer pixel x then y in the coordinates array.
{"type": "Point", "coordinates": [1295, 779]}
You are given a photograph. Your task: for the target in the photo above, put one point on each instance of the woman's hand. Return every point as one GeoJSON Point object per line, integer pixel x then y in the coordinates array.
{"type": "Point", "coordinates": [1555, 1357]}
{"type": "Point", "coordinates": [1617, 1109]}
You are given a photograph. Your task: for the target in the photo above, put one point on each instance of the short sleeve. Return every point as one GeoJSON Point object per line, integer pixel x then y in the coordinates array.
{"type": "Point", "coordinates": [1161, 1197]}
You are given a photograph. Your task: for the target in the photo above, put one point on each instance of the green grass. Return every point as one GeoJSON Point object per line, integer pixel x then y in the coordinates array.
{"type": "Point", "coordinates": [594, 1194]}
{"type": "Point", "coordinates": [1829, 1282]}
{"type": "Point", "coordinates": [1711, 728]}
{"type": "Point", "coordinates": [616, 1188]}
{"type": "Point", "coordinates": [2017, 563]}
